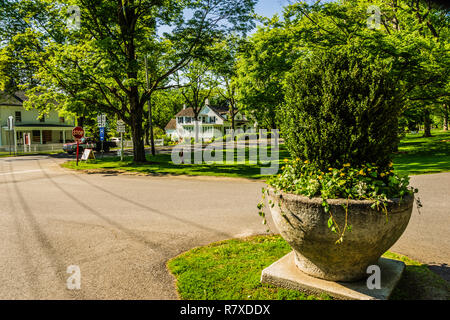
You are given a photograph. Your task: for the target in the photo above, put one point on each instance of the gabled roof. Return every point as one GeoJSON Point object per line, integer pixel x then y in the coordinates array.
{"type": "Point", "coordinates": [220, 109]}
{"type": "Point", "coordinates": [188, 112]}
{"type": "Point", "coordinates": [12, 99]}
{"type": "Point", "coordinates": [172, 125]}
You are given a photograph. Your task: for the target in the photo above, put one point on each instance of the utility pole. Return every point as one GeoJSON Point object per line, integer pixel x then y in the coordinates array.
{"type": "Point", "coordinates": [152, 139]}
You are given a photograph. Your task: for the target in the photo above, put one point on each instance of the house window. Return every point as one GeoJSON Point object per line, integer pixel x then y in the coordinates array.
{"type": "Point", "coordinates": [42, 118]}
{"type": "Point", "coordinates": [18, 116]}
{"type": "Point", "coordinates": [36, 136]}
{"type": "Point", "coordinates": [212, 120]}
{"type": "Point", "coordinates": [188, 120]}
{"type": "Point", "coordinates": [180, 120]}
{"type": "Point", "coordinates": [61, 119]}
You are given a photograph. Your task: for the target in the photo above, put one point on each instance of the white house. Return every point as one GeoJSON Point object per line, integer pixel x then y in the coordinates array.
{"type": "Point", "coordinates": [50, 129]}
{"type": "Point", "coordinates": [212, 122]}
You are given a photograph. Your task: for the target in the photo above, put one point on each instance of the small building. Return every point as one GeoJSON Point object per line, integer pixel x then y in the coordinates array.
{"type": "Point", "coordinates": [45, 131]}
{"type": "Point", "coordinates": [213, 121]}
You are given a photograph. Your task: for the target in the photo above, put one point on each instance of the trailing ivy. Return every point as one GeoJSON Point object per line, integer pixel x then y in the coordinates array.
{"type": "Point", "coordinates": [367, 182]}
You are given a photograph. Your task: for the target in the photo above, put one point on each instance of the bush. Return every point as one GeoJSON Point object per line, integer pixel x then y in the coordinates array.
{"type": "Point", "coordinates": [340, 109]}
{"type": "Point", "coordinates": [167, 140]}
{"type": "Point", "coordinates": [159, 133]}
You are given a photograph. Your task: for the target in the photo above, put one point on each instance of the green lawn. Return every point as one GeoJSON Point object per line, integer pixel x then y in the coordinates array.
{"type": "Point", "coordinates": [416, 155]}
{"type": "Point", "coordinates": [231, 270]}
{"type": "Point", "coordinates": [162, 164]}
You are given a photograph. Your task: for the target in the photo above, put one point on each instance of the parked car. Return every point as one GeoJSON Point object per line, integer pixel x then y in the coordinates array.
{"type": "Point", "coordinates": [88, 143]}
{"type": "Point", "coordinates": [116, 141]}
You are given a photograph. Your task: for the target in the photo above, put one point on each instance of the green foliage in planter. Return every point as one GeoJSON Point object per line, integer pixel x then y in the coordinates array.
{"type": "Point", "coordinates": [367, 182]}
{"type": "Point", "coordinates": [341, 108]}
{"type": "Point", "coordinates": [340, 123]}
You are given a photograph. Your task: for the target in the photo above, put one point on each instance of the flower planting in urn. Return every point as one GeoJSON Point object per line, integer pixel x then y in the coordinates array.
{"type": "Point", "coordinates": [338, 201]}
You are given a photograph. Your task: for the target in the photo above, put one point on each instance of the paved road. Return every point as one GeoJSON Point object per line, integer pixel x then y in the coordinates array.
{"type": "Point", "coordinates": [121, 230]}
{"type": "Point", "coordinates": [427, 238]}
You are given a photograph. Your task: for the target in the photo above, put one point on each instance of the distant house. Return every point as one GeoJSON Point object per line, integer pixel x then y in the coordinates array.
{"type": "Point", "coordinates": [211, 120]}
{"type": "Point", "coordinates": [43, 130]}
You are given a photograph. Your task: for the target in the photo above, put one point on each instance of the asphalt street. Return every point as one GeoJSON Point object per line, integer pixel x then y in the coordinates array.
{"type": "Point", "coordinates": [120, 230]}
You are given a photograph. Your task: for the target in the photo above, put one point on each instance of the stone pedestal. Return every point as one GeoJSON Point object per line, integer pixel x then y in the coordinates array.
{"type": "Point", "coordinates": [285, 274]}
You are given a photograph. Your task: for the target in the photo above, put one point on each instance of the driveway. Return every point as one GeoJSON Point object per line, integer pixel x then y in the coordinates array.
{"type": "Point", "coordinates": [121, 230]}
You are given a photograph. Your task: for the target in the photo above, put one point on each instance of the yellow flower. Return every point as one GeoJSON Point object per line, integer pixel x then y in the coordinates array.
{"type": "Point", "coordinates": [391, 165]}
{"type": "Point", "coordinates": [306, 162]}
{"type": "Point", "coordinates": [282, 168]}
{"type": "Point", "coordinates": [346, 165]}
{"type": "Point", "coordinates": [298, 159]}
{"type": "Point", "coordinates": [362, 172]}
{"type": "Point", "coordinates": [330, 169]}
{"type": "Point", "coordinates": [319, 177]}
{"type": "Point", "coordinates": [286, 160]}
{"type": "Point", "coordinates": [382, 175]}
{"type": "Point", "coordinates": [342, 174]}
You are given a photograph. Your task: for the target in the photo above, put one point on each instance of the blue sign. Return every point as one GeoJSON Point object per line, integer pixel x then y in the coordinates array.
{"type": "Point", "coordinates": [102, 134]}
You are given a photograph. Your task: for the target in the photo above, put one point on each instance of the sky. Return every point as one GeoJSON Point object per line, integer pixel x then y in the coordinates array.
{"type": "Point", "coordinates": [270, 7]}
{"type": "Point", "coordinates": [266, 8]}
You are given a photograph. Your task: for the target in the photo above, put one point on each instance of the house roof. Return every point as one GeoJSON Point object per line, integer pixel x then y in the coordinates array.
{"type": "Point", "coordinates": [220, 109]}
{"type": "Point", "coordinates": [188, 112]}
{"type": "Point", "coordinates": [12, 99]}
{"type": "Point", "coordinates": [172, 125]}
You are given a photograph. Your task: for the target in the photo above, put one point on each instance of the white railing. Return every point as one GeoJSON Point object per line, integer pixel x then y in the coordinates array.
{"type": "Point", "coordinates": [34, 148]}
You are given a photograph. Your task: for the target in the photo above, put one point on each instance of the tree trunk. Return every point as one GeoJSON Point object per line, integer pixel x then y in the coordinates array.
{"type": "Point", "coordinates": [445, 117]}
{"type": "Point", "coordinates": [233, 115]}
{"type": "Point", "coordinates": [80, 121]}
{"type": "Point", "coordinates": [137, 131]}
{"type": "Point", "coordinates": [149, 129]}
{"type": "Point", "coordinates": [150, 125]}
{"type": "Point", "coordinates": [427, 124]}
{"type": "Point", "coordinates": [147, 133]}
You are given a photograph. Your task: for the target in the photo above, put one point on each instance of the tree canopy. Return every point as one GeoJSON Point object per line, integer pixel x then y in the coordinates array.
{"type": "Point", "coordinates": [97, 66]}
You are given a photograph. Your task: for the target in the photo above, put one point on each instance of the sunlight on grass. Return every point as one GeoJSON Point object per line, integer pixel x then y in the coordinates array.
{"type": "Point", "coordinates": [231, 270]}
{"type": "Point", "coordinates": [417, 155]}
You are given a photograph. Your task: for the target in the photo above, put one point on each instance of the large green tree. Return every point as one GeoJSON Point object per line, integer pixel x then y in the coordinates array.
{"type": "Point", "coordinates": [196, 84]}
{"type": "Point", "coordinates": [98, 65]}
{"type": "Point", "coordinates": [413, 35]}
{"type": "Point", "coordinates": [263, 61]}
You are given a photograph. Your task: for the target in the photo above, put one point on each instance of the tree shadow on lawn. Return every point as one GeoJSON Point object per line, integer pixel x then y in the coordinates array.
{"type": "Point", "coordinates": [415, 285]}
{"type": "Point", "coordinates": [236, 170]}
{"type": "Point", "coordinates": [443, 270]}
{"type": "Point", "coordinates": [433, 160]}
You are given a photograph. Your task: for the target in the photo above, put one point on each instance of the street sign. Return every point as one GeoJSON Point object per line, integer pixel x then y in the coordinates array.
{"type": "Point", "coordinates": [102, 134]}
{"type": "Point", "coordinates": [78, 133]}
{"type": "Point", "coordinates": [101, 120]}
{"type": "Point", "coordinates": [121, 129]}
{"type": "Point", "coordinates": [121, 126]}
{"type": "Point", "coordinates": [87, 154]}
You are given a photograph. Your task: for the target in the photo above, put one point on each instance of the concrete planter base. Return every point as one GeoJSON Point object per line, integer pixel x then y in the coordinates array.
{"type": "Point", "coordinates": [302, 222]}
{"type": "Point", "coordinates": [285, 274]}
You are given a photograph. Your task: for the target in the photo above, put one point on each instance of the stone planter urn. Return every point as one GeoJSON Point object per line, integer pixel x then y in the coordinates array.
{"type": "Point", "coordinates": [302, 222]}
